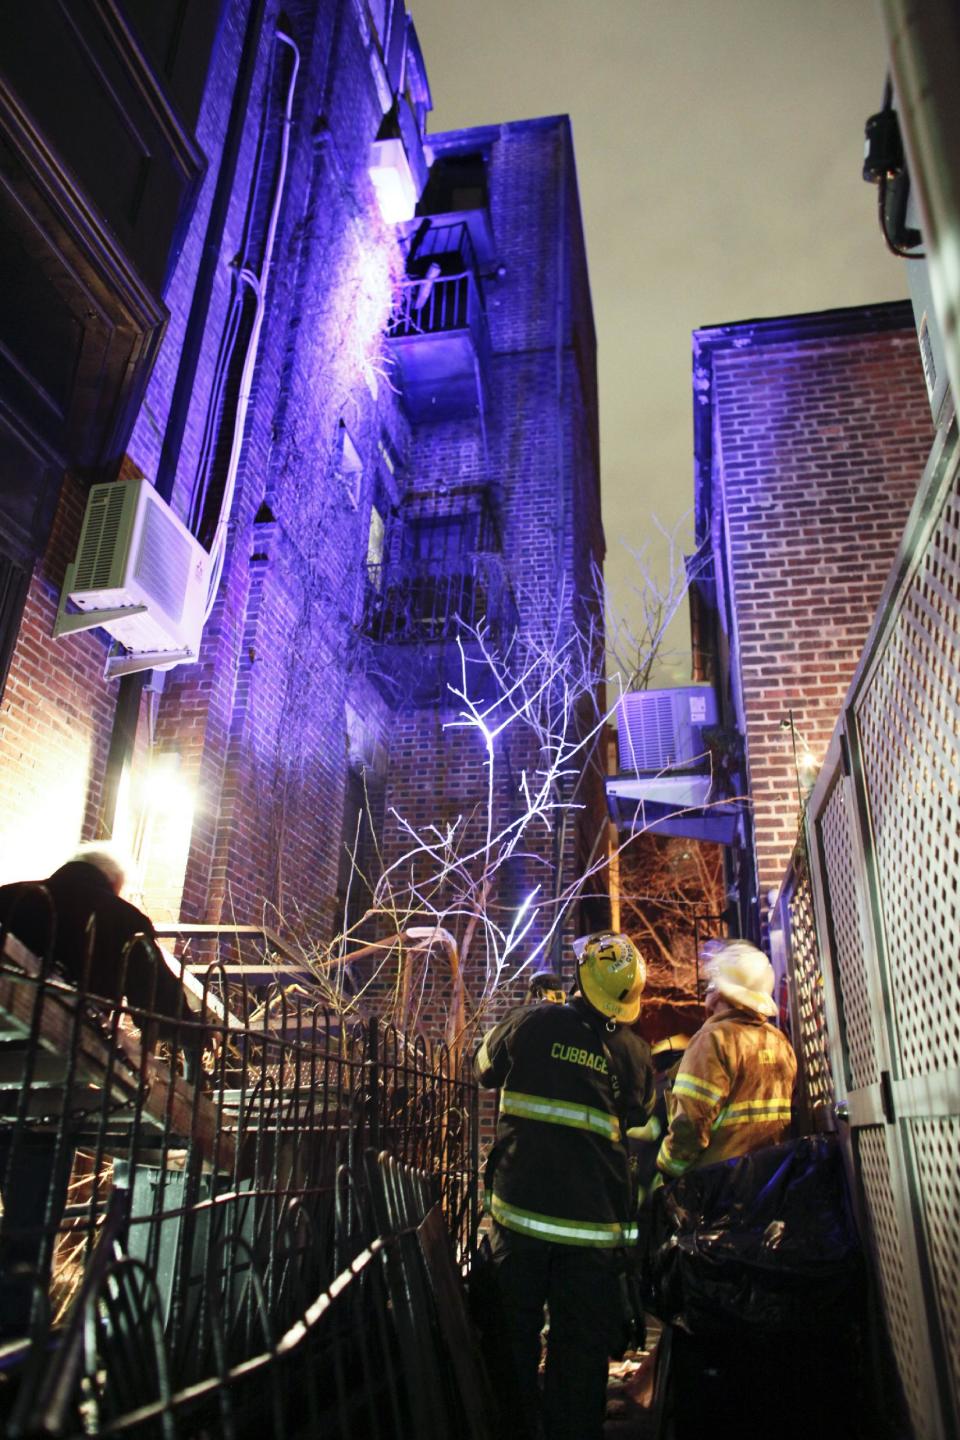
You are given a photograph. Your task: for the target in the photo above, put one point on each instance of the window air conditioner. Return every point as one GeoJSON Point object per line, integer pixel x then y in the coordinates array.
{"type": "Point", "coordinates": [663, 729]}
{"type": "Point", "coordinates": [140, 575]}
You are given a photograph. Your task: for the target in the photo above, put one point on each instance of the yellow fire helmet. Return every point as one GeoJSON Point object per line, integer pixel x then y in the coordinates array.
{"type": "Point", "coordinates": [612, 974]}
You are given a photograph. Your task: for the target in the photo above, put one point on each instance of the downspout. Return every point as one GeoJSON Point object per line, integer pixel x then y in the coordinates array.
{"type": "Point", "coordinates": [258, 284]}
{"type": "Point", "coordinates": [130, 689]}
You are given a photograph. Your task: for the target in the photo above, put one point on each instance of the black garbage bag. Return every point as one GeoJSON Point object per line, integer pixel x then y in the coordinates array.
{"type": "Point", "coordinates": [766, 1241]}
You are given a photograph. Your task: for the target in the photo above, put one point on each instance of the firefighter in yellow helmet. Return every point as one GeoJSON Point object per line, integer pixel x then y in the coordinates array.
{"type": "Point", "coordinates": [733, 1088]}
{"type": "Point", "coordinates": [572, 1078]}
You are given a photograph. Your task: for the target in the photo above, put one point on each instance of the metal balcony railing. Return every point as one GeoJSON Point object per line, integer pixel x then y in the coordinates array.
{"type": "Point", "coordinates": [439, 306]}
{"type": "Point", "coordinates": [409, 602]}
{"type": "Point", "coordinates": [443, 243]}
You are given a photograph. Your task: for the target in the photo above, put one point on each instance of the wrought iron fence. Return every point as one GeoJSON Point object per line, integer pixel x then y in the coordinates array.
{"type": "Point", "coordinates": [188, 1228]}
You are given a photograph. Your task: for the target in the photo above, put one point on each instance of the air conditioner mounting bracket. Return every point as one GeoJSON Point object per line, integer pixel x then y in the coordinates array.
{"type": "Point", "coordinates": [70, 622]}
{"type": "Point", "coordinates": [136, 660]}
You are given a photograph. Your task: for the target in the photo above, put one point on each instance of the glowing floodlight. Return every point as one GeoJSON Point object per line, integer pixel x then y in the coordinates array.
{"type": "Point", "coordinates": [166, 794]}
{"type": "Point", "coordinates": [396, 190]}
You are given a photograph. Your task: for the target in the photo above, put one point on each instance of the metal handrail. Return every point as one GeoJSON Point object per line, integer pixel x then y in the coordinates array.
{"type": "Point", "coordinates": [177, 930]}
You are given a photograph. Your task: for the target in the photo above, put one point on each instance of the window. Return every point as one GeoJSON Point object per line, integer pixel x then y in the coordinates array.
{"type": "Point", "coordinates": [376, 535]}
{"type": "Point", "coordinates": [350, 467]}
{"type": "Point", "coordinates": [13, 593]}
{"type": "Point", "coordinates": [437, 540]}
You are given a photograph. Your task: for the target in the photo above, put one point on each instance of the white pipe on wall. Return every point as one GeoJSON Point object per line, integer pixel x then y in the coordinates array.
{"type": "Point", "coordinates": [258, 285]}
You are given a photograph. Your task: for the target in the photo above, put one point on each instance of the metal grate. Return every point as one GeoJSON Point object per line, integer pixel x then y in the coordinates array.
{"type": "Point", "coordinates": [163, 563]}
{"type": "Point", "coordinates": [96, 558]}
{"type": "Point", "coordinates": [814, 1055]}
{"type": "Point", "coordinates": [937, 1148]}
{"type": "Point", "coordinates": [648, 738]}
{"type": "Point", "coordinates": [909, 717]}
{"type": "Point", "coordinates": [848, 940]}
{"type": "Point", "coordinates": [876, 1177]}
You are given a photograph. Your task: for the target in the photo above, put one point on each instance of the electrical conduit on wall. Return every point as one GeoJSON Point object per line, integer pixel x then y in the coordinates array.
{"type": "Point", "coordinates": [257, 283]}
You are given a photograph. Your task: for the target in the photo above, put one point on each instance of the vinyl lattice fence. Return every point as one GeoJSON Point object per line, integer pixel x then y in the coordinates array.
{"type": "Point", "coordinates": [884, 872]}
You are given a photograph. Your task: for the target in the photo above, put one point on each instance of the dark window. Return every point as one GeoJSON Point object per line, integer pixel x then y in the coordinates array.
{"type": "Point", "coordinates": [438, 539]}
{"type": "Point", "coordinates": [13, 593]}
{"type": "Point", "coordinates": [177, 37]}
{"type": "Point", "coordinates": [457, 182]}
{"type": "Point", "coordinates": [359, 867]}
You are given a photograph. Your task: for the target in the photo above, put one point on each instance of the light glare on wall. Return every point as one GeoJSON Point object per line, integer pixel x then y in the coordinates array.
{"type": "Point", "coordinates": [39, 832]}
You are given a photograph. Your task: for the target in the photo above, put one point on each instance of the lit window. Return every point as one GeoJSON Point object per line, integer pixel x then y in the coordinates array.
{"type": "Point", "coordinates": [375, 542]}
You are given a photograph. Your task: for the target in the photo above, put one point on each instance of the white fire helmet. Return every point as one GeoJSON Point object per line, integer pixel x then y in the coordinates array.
{"type": "Point", "coordinates": [741, 974]}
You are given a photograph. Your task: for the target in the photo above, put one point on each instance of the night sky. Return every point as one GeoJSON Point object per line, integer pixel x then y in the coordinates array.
{"type": "Point", "coordinates": [719, 146]}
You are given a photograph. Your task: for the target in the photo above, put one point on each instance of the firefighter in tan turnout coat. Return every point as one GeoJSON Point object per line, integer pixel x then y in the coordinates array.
{"type": "Point", "coordinates": [733, 1089]}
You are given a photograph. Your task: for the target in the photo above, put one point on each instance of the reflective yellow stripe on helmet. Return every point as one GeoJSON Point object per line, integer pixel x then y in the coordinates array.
{"type": "Point", "coordinates": [560, 1112]}
{"type": "Point", "coordinates": [607, 1234]}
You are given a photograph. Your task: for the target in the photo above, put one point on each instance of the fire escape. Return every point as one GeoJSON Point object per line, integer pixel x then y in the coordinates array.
{"type": "Point", "coordinates": [436, 591]}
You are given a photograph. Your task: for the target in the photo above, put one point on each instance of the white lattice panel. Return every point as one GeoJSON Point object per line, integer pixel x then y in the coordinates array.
{"type": "Point", "coordinates": [909, 719]}
{"type": "Point", "coordinates": [812, 1047]}
{"type": "Point", "coordinates": [848, 939]}
{"type": "Point", "coordinates": [937, 1150]}
{"type": "Point", "coordinates": [898, 1304]}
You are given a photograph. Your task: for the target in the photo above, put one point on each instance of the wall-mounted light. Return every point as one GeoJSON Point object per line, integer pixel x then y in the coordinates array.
{"type": "Point", "coordinates": [167, 796]}
{"type": "Point", "coordinates": [805, 764]}
{"type": "Point", "coordinates": [155, 812]}
{"type": "Point", "coordinates": [393, 182]}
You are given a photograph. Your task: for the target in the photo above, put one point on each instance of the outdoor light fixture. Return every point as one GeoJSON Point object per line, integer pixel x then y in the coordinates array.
{"type": "Point", "coordinates": [805, 764]}
{"type": "Point", "coordinates": [393, 182]}
{"type": "Point", "coordinates": [36, 842]}
{"type": "Point", "coordinates": [155, 811]}
{"type": "Point", "coordinates": [396, 164]}
{"type": "Point", "coordinates": [166, 794]}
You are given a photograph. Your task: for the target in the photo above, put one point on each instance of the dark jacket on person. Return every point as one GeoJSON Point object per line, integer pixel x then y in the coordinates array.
{"type": "Point", "coordinates": [569, 1090]}
{"type": "Point", "coordinates": [80, 891]}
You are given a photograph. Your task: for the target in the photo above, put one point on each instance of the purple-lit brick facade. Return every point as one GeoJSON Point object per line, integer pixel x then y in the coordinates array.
{"type": "Point", "coordinates": [265, 727]}
{"type": "Point", "coordinates": [812, 432]}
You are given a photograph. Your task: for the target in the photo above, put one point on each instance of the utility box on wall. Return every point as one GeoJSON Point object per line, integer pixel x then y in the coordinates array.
{"type": "Point", "coordinates": [663, 729]}
{"type": "Point", "coordinates": [140, 575]}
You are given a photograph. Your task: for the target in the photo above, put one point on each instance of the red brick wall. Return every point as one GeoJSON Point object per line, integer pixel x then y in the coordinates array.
{"type": "Point", "coordinates": [542, 464]}
{"type": "Point", "coordinates": [257, 728]}
{"type": "Point", "coordinates": [55, 720]}
{"type": "Point", "coordinates": [821, 445]}
{"type": "Point", "coordinates": [259, 723]}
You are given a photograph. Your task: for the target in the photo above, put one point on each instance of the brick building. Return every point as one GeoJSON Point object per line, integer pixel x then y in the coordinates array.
{"type": "Point", "coordinates": [810, 432]}
{"type": "Point", "coordinates": [380, 420]}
